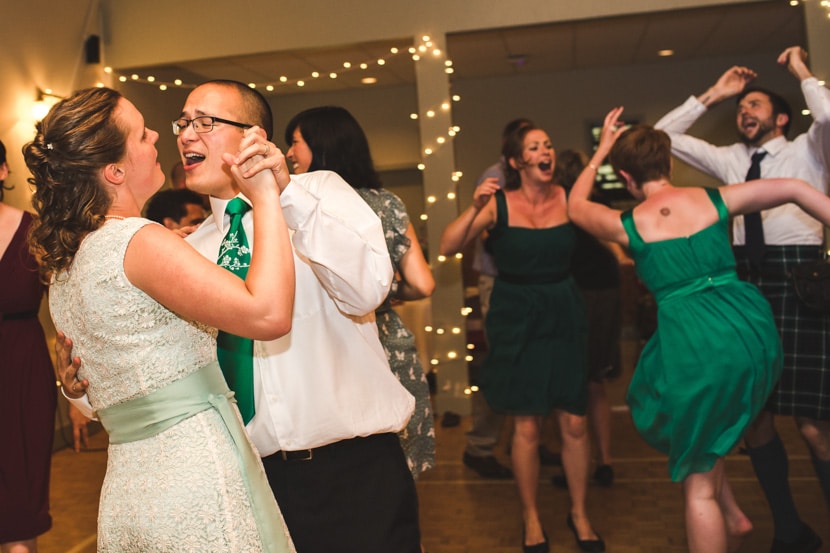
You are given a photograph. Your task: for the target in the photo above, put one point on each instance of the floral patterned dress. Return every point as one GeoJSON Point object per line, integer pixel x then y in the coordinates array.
{"type": "Point", "coordinates": [418, 438]}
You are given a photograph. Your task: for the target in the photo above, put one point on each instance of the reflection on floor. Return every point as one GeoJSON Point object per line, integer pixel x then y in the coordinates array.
{"type": "Point", "coordinates": [462, 513]}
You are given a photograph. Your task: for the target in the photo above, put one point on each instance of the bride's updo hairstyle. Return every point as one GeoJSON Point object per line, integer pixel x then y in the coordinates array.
{"type": "Point", "coordinates": [74, 142]}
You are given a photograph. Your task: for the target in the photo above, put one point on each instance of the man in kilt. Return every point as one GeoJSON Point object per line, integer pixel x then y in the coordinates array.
{"type": "Point", "coordinates": [789, 237]}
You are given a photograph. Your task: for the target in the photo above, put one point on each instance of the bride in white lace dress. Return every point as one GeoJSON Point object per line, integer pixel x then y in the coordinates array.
{"type": "Point", "coordinates": [181, 473]}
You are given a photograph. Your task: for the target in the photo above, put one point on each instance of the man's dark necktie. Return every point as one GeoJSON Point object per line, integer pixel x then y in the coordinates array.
{"type": "Point", "coordinates": [236, 354]}
{"type": "Point", "coordinates": [753, 229]}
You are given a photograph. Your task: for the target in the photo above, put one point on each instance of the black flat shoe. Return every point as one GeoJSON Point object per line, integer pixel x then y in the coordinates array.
{"type": "Point", "coordinates": [542, 547]}
{"type": "Point", "coordinates": [589, 546]}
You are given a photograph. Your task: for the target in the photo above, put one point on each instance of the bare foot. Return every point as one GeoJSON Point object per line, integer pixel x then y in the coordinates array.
{"type": "Point", "coordinates": [737, 528]}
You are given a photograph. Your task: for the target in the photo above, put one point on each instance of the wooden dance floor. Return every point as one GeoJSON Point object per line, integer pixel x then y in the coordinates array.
{"type": "Point", "coordinates": [463, 513]}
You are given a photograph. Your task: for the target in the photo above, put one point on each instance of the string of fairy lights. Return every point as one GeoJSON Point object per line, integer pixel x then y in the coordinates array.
{"type": "Point", "coordinates": [823, 3]}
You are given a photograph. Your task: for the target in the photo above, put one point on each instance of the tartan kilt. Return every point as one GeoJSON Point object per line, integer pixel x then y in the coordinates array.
{"type": "Point", "coordinates": [804, 387]}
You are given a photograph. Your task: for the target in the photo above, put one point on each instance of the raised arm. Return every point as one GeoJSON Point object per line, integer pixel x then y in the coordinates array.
{"type": "Point", "coordinates": [416, 277]}
{"type": "Point", "coordinates": [768, 193]}
{"type": "Point", "coordinates": [473, 221]}
{"type": "Point", "coordinates": [733, 81]}
{"type": "Point", "coordinates": [260, 307]}
{"type": "Point", "coordinates": [597, 219]}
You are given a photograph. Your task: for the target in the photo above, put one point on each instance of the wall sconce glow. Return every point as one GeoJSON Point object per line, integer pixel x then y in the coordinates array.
{"type": "Point", "coordinates": [665, 53]}
{"type": "Point", "coordinates": [44, 100]}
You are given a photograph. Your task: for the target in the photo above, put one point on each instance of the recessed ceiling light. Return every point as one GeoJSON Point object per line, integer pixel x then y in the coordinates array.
{"type": "Point", "coordinates": [368, 80]}
{"type": "Point", "coordinates": [665, 53]}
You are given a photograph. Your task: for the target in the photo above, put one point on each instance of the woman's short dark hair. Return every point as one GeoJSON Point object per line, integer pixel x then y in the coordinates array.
{"type": "Point", "coordinates": [337, 143]}
{"type": "Point", "coordinates": [643, 152]}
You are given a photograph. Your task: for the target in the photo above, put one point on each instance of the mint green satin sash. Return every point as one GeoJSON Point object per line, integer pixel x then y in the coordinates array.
{"type": "Point", "coordinates": [206, 388]}
{"type": "Point", "coordinates": [690, 287]}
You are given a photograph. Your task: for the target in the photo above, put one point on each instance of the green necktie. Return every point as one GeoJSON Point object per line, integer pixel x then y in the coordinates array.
{"type": "Point", "coordinates": [236, 354]}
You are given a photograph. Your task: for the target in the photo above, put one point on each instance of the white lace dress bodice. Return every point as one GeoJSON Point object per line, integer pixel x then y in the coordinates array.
{"type": "Point", "coordinates": [180, 490]}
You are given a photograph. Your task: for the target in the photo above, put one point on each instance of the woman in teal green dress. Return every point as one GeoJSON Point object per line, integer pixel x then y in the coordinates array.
{"type": "Point", "coordinates": [536, 326]}
{"type": "Point", "coordinates": [716, 356]}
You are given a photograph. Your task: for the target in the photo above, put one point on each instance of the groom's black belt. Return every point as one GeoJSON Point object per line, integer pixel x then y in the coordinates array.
{"type": "Point", "coordinates": [330, 449]}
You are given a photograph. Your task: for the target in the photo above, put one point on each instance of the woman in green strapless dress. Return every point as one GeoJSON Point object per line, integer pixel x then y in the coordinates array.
{"type": "Point", "coordinates": [716, 356]}
{"type": "Point", "coordinates": [536, 324]}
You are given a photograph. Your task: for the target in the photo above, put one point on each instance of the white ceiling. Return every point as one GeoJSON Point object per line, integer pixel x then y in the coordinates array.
{"type": "Point", "coordinates": [723, 31]}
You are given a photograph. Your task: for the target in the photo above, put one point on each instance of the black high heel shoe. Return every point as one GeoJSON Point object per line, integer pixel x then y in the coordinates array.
{"type": "Point", "coordinates": [542, 547]}
{"type": "Point", "coordinates": [589, 546]}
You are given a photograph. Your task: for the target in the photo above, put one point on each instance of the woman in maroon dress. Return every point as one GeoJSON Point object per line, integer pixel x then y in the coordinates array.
{"type": "Point", "coordinates": [28, 407]}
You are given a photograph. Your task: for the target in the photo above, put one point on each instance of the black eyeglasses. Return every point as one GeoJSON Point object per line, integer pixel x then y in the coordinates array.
{"type": "Point", "coordinates": [203, 124]}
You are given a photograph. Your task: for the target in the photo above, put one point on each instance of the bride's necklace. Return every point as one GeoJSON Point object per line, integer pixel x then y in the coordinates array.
{"type": "Point", "coordinates": [114, 217]}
